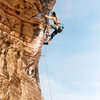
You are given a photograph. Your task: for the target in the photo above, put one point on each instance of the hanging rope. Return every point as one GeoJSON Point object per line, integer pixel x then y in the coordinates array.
{"type": "Point", "coordinates": [46, 67]}
{"type": "Point", "coordinates": [44, 51]}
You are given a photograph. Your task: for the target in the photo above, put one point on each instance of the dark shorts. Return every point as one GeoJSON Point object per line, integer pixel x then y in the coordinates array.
{"type": "Point", "coordinates": [56, 27]}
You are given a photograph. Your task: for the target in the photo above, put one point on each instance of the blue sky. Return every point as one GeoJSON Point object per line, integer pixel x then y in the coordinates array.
{"type": "Point", "coordinates": [73, 57]}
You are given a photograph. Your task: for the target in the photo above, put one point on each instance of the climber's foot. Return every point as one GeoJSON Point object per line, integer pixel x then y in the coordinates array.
{"type": "Point", "coordinates": [45, 43]}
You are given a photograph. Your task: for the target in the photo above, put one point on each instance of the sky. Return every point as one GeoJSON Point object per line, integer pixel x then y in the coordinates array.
{"type": "Point", "coordinates": [69, 67]}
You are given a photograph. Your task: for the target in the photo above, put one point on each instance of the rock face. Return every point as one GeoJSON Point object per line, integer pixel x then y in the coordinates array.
{"type": "Point", "coordinates": [22, 33]}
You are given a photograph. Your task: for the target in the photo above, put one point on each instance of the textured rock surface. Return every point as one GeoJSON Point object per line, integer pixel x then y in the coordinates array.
{"type": "Point", "coordinates": [22, 33]}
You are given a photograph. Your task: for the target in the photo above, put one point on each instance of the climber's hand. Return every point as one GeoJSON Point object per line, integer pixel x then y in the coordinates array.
{"type": "Point", "coordinates": [46, 16]}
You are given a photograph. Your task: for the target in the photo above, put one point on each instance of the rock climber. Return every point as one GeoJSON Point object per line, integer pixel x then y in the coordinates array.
{"type": "Point", "coordinates": [57, 26]}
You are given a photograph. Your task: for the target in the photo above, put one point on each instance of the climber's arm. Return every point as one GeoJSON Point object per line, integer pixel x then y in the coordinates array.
{"type": "Point", "coordinates": [49, 17]}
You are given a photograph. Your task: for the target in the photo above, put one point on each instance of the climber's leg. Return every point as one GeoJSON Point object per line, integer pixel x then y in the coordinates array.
{"type": "Point", "coordinates": [51, 26]}
{"type": "Point", "coordinates": [52, 35]}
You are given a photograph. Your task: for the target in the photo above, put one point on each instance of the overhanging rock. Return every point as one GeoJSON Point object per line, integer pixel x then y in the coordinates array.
{"type": "Point", "coordinates": [22, 34]}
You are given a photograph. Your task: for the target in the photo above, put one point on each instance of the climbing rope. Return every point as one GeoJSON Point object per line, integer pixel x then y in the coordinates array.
{"type": "Point", "coordinates": [46, 68]}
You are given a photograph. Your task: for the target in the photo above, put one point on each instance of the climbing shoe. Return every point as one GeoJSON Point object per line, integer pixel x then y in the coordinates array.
{"type": "Point", "coordinates": [45, 43]}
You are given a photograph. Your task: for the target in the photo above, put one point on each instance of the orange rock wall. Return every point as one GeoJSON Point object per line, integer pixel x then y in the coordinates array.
{"type": "Point", "coordinates": [22, 34]}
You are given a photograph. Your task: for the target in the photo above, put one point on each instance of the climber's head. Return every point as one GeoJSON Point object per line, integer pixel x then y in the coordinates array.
{"type": "Point", "coordinates": [53, 14]}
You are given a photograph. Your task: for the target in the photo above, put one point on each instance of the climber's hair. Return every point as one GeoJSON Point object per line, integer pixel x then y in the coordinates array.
{"type": "Point", "coordinates": [53, 13]}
